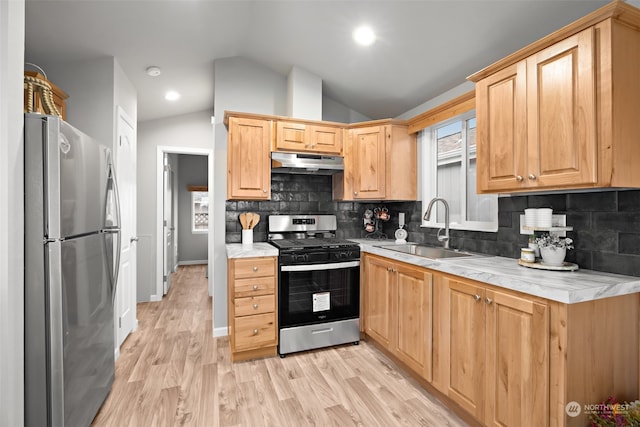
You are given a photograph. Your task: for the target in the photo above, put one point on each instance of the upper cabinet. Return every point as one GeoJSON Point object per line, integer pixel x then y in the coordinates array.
{"type": "Point", "coordinates": [558, 114]}
{"type": "Point", "coordinates": [380, 164]}
{"type": "Point", "coordinates": [305, 137]}
{"type": "Point", "coordinates": [248, 158]}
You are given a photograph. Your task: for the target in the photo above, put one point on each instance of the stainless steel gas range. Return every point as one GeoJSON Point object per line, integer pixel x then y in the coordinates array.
{"type": "Point", "coordinates": [318, 283]}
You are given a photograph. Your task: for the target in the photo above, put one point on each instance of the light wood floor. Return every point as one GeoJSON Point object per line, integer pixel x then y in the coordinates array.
{"type": "Point", "coordinates": [172, 372]}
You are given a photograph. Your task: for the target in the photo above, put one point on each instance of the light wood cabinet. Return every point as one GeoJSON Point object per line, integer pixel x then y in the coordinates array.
{"type": "Point", "coordinates": [249, 159]}
{"type": "Point", "coordinates": [35, 96]}
{"type": "Point", "coordinates": [380, 164]}
{"type": "Point", "coordinates": [310, 138]}
{"type": "Point", "coordinates": [558, 114]}
{"type": "Point", "coordinates": [493, 356]}
{"type": "Point", "coordinates": [252, 307]}
{"type": "Point", "coordinates": [398, 311]}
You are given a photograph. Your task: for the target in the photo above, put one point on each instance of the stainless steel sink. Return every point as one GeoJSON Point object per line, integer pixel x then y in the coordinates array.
{"type": "Point", "coordinates": [427, 251]}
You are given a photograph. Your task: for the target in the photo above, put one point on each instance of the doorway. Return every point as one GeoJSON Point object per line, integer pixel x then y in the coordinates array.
{"type": "Point", "coordinates": [165, 247]}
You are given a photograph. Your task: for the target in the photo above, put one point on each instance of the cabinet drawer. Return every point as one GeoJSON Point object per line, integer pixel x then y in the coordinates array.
{"type": "Point", "coordinates": [255, 305]}
{"type": "Point", "coordinates": [254, 287]}
{"type": "Point", "coordinates": [255, 331]}
{"type": "Point", "coordinates": [254, 267]}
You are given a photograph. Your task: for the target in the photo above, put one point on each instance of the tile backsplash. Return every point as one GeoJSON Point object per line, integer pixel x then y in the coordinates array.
{"type": "Point", "coordinates": [606, 223]}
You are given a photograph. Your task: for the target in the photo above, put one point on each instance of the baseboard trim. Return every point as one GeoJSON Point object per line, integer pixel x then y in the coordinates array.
{"type": "Point", "coordinates": [220, 332]}
{"type": "Point", "coordinates": [155, 298]}
{"type": "Point", "coordinates": [195, 262]}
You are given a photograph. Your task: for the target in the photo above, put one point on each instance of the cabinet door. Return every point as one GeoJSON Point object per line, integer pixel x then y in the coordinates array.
{"type": "Point", "coordinates": [325, 139]}
{"type": "Point", "coordinates": [413, 314]}
{"type": "Point", "coordinates": [291, 136]}
{"type": "Point", "coordinates": [562, 144]}
{"type": "Point", "coordinates": [369, 162]}
{"type": "Point", "coordinates": [517, 361]}
{"type": "Point", "coordinates": [248, 159]}
{"type": "Point", "coordinates": [466, 341]}
{"type": "Point", "coordinates": [501, 127]}
{"type": "Point", "coordinates": [378, 300]}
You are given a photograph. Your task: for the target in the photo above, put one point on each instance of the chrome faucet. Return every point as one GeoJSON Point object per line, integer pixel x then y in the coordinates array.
{"type": "Point", "coordinates": [444, 239]}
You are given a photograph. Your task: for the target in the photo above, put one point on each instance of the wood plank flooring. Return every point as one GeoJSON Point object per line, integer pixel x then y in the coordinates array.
{"type": "Point", "coordinates": [172, 372]}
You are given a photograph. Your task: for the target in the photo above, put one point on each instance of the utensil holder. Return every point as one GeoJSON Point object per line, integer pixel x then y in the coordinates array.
{"type": "Point", "coordinates": [247, 237]}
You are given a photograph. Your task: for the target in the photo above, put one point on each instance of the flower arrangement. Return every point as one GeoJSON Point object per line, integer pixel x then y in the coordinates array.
{"type": "Point", "coordinates": [554, 242]}
{"type": "Point", "coordinates": [611, 413]}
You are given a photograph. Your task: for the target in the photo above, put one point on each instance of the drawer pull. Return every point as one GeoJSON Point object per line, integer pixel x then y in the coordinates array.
{"type": "Point", "coordinates": [255, 306]}
{"type": "Point", "coordinates": [255, 332]}
{"type": "Point", "coordinates": [255, 268]}
{"type": "Point", "coordinates": [255, 287]}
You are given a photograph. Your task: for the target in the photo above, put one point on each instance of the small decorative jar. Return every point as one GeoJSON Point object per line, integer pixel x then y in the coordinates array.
{"type": "Point", "coordinates": [527, 254]}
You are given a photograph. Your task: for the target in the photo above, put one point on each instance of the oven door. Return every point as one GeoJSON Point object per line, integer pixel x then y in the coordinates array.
{"type": "Point", "coordinates": [316, 293]}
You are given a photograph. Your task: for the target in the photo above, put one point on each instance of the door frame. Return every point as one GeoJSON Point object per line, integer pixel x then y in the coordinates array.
{"type": "Point", "coordinates": [160, 152]}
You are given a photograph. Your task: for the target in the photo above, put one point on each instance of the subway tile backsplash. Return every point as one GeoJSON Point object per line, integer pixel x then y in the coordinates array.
{"type": "Point", "coordinates": [606, 223]}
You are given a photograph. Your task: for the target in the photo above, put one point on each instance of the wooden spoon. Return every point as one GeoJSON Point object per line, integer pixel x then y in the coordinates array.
{"type": "Point", "coordinates": [249, 220]}
{"type": "Point", "coordinates": [243, 220]}
{"type": "Point", "coordinates": [256, 219]}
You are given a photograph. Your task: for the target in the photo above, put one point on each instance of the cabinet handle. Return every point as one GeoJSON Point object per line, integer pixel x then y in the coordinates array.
{"type": "Point", "coordinates": [532, 177]}
{"type": "Point", "coordinates": [477, 297]}
{"type": "Point", "coordinates": [255, 287]}
{"type": "Point", "coordinates": [255, 268]}
{"type": "Point", "coordinates": [255, 332]}
{"type": "Point", "coordinates": [489, 301]}
{"type": "Point", "coordinates": [255, 306]}
{"type": "Point", "coordinates": [519, 178]}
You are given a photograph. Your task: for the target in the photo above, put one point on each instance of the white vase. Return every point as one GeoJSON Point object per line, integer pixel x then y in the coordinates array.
{"type": "Point", "coordinates": [553, 256]}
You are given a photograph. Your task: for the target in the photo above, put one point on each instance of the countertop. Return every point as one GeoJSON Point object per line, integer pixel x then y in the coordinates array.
{"type": "Point", "coordinates": [238, 250]}
{"type": "Point", "coordinates": [562, 286]}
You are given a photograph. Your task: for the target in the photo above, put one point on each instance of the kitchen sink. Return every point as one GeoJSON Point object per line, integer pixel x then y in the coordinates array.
{"type": "Point", "coordinates": [432, 252]}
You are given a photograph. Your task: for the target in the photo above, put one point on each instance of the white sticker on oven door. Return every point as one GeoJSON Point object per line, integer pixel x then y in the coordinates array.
{"type": "Point", "coordinates": [321, 301]}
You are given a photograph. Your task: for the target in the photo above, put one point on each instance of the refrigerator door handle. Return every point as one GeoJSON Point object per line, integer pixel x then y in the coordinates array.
{"type": "Point", "coordinates": [116, 230]}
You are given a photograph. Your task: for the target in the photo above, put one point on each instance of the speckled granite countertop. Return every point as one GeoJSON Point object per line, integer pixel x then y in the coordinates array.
{"type": "Point", "coordinates": [563, 286]}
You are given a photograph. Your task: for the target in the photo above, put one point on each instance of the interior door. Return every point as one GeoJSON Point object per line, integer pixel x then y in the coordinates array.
{"type": "Point", "coordinates": [168, 223]}
{"type": "Point", "coordinates": [126, 298]}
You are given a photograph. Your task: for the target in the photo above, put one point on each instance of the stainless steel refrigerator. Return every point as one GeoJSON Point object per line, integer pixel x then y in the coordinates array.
{"type": "Point", "coordinates": [72, 241]}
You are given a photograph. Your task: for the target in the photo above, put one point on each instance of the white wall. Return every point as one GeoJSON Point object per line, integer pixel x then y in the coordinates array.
{"type": "Point", "coordinates": [462, 88]}
{"type": "Point", "coordinates": [333, 111]}
{"type": "Point", "coordinates": [304, 94]}
{"type": "Point", "coordinates": [188, 131]}
{"type": "Point", "coordinates": [11, 214]}
{"type": "Point", "coordinates": [240, 85]}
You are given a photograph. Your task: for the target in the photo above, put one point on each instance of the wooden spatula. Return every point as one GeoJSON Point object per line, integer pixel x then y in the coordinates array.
{"type": "Point", "coordinates": [256, 220]}
{"type": "Point", "coordinates": [243, 220]}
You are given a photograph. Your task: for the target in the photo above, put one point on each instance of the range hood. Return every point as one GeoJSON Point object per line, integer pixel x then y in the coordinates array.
{"type": "Point", "coordinates": [298, 163]}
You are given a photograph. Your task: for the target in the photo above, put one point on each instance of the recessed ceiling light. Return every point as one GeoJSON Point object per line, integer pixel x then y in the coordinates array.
{"type": "Point", "coordinates": [154, 71]}
{"type": "Point", "coordinates": [364, 35]}
{"type": "Point", "coordinates": [171, 95]}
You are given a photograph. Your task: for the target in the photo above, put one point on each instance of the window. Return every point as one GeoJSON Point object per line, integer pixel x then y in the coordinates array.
{"type": "Point", "coordinates": [449, 172]}
{"type": "Point", "coordinates": [199, 211]}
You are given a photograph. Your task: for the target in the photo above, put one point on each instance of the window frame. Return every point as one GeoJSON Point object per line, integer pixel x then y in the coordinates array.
{"type": "Point", "coordinates": [195, 194]}
{"type": "Point", "coordinates": [428, 141]}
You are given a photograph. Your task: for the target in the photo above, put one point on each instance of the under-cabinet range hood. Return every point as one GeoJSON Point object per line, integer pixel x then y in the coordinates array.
{"type": "Point", "coordinates": [298, 163]}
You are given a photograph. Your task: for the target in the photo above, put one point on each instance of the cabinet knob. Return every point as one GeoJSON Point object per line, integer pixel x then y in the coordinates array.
{"type": "Point", "coordinates": [532, 177]}
{"type": "Point", "coordinates": [519, 178]}
{"type": "Point", "coordinates": [255, 287]}
{"type": "Point", "coordinates": [264, 191]}
{"type": "Point", "coordinates": [255, 332]}
{"type": "Point", "coordinates": [489, 301]}
{"type": "Point", "coordinates": [255, 268]}
{"type": "Point", "coordinates": [355, 193]}
{"type": "Point", "coordinates": [255, 306]}
{"type": "Point", "coordinates": [306, 145]}
{"type": "Point", "coordinates": [477, 297]}
{"type": "Point", "coordinates": [313, 145]}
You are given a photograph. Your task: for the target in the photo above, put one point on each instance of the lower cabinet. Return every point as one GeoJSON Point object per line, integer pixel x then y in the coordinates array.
{"type": "Point", "coordinates": [493, 353]}
{"type": "Point", "coordinates": [252, 311]}
{"type": "Point", "coordinates": [398, 304]}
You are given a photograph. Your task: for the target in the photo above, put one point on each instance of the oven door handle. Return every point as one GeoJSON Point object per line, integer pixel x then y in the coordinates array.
{"type": "Point", "coordinates": [316, 267]}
